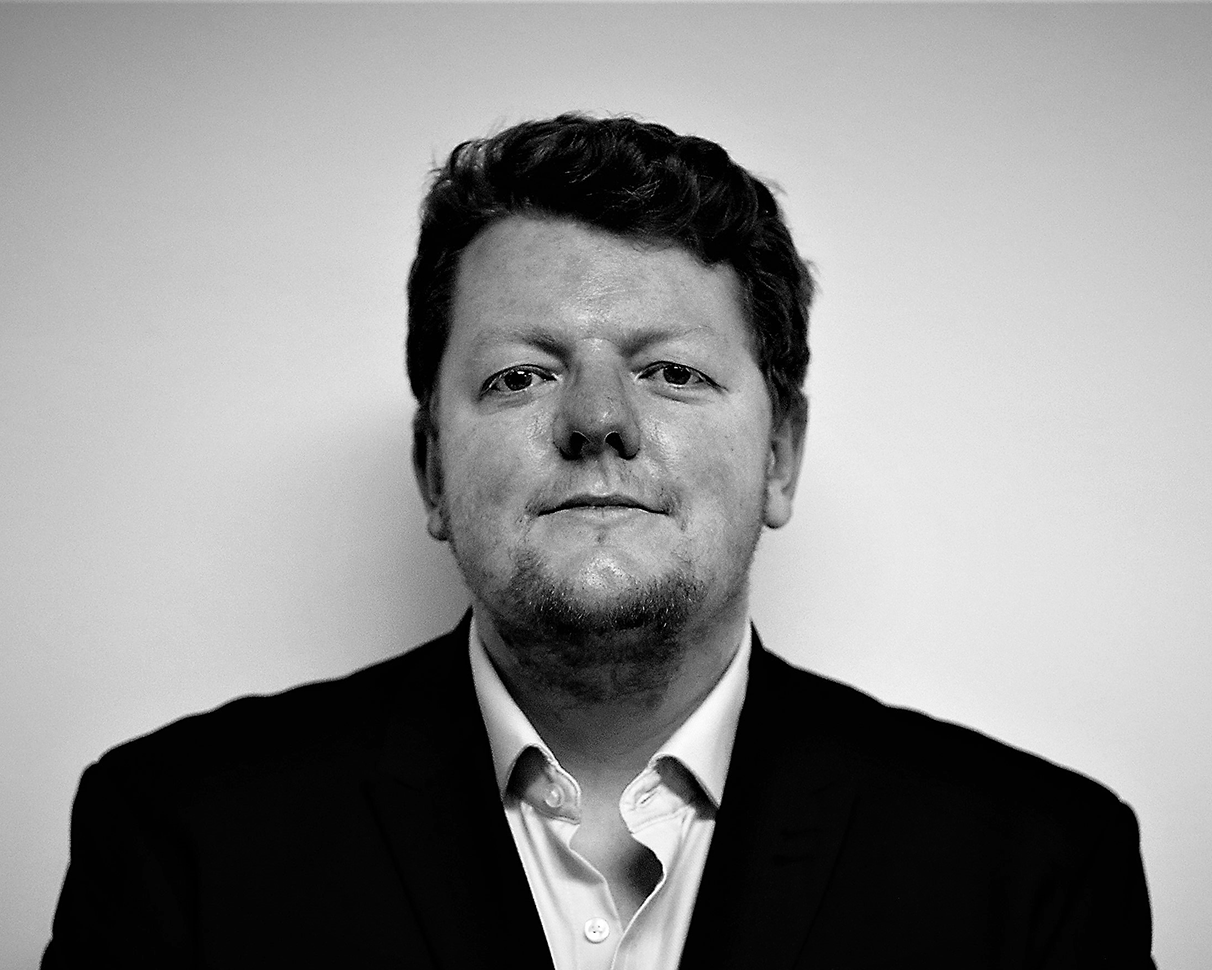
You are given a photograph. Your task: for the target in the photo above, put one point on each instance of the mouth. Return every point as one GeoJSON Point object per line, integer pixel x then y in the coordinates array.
{"type": "Point", "coordinates": [600, 503]}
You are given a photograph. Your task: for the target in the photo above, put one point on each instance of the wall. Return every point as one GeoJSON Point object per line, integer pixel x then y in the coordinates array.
{"type": "Point", "coordinates": [208, 213]}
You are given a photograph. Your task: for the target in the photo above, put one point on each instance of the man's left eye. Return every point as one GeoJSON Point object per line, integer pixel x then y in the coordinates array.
{"type": "Point", "coordinates": [676, 375]}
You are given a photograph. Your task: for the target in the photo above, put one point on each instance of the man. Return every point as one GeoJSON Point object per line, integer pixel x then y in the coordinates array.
{"type": "Point", "coordinates": [601, 766]}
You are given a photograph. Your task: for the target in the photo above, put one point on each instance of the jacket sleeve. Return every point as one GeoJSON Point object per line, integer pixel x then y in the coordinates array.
{"type": "Point", "coordinates": [121, 902]}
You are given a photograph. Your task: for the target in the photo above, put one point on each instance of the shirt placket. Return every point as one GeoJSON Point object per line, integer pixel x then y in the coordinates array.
{"type": "Point", "coordinates": [653, 814]}
{"type": "Point", "coordinates": [590, 912]}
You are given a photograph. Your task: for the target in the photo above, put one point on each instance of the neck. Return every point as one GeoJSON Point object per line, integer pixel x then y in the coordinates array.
{"type": "Point", "coordinates": [608, 734]}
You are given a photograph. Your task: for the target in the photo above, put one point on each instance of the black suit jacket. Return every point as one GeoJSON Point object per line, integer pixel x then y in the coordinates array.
{"type": "Point", "coordinates": [356, 823]}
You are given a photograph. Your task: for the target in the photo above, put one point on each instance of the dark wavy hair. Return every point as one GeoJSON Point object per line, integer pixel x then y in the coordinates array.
{"type": "Point", "coordinates": [636, 179]}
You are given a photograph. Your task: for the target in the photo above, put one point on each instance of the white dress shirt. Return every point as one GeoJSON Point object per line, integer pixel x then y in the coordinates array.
{"type": "Point", "coordinates": [669, 807]}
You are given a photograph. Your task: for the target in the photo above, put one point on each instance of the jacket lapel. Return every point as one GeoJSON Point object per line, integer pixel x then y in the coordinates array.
{"type": "Point", "coordinates": [784, 815]}
{"type": "Point", "coordinates": [437, 804]}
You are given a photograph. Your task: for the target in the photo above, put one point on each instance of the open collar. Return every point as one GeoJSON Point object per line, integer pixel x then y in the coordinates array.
{"type": "Point", "coordinates": [702, 744]}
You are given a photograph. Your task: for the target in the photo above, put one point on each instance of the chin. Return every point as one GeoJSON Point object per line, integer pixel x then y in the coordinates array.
{"type": "Point", "coordinates": [602, 597]}
{"type": "Point", "coordinates": [605, 634]}
{"type": "Point", "coordinates": [595, 628]}
{"type": "Point", "coordinates": [598, 645]}
{"type": "Point", "coordinates": [599, 579]}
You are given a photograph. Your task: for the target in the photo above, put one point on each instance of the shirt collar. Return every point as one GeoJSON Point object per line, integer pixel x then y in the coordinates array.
{"type": "Point", "coordinates": [703, 743]}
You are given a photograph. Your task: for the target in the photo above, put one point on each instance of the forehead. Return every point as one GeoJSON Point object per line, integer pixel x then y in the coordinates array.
{"type": "Point", "coordinates": [527, 269]}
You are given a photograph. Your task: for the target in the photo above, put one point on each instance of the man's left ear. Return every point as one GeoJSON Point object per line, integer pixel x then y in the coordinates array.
{"type": "Point", "coordinates": [783, 463]}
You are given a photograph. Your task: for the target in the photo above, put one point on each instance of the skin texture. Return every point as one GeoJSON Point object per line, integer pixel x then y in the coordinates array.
{"type": "Point", "coordinates": [604, 462]}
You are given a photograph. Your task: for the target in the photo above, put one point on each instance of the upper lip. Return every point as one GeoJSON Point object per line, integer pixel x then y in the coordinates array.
{"type": "Point", "coordinates": [589, 500]}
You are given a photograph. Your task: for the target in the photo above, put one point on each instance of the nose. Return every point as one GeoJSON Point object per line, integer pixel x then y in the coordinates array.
{"type": "Point", "coordinates": [597, 414]}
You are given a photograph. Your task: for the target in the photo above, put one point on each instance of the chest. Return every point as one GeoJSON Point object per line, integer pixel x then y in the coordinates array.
{"type": "Point", "coordinates": [631, 870]}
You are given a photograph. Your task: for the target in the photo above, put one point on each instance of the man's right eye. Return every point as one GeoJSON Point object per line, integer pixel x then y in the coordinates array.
{"type": "Point", "coordinates": [514, 380]}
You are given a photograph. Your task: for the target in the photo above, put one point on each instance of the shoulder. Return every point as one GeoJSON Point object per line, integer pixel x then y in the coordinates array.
{"type": "Point", "coordinates": [907, 758]}
{"type": "Point", "coordinates": [339, 723]}
{"type": "Point", "coordinates": [935, 830]}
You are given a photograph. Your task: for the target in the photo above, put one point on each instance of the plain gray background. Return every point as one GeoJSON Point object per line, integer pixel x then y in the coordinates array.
{"type": "Point", "coordinates": [207, 218]}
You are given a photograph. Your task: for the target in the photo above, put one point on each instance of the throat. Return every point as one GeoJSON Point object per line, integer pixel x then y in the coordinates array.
{"type": "Point", "coordinates": [614, 669]}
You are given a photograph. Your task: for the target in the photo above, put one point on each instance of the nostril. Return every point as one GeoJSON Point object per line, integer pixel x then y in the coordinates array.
{"type": "Point", "coordinates": [582, 435]}
{"type": "Point", "coordinates": [574, 445]}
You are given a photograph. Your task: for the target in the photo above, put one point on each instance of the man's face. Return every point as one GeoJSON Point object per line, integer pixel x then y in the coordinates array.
{"type": "Point", "coordinates": [604, 431]}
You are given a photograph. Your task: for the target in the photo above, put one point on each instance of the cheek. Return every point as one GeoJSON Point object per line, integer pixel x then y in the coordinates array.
{"type": "Point", "coordinates": [475, 489]}
{"type": "Point", "coordinates": [483, 471]}
{"type": "Point", "coordinates": [721, 473]}
{"type": "Point", "coordinates": [737, 483]}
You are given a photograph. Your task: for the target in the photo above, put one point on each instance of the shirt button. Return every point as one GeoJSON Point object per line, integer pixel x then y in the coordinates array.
{"type": "Point", "coordinates": [554, 797]}
{"type": "Point", "coordinates": [596, 929]}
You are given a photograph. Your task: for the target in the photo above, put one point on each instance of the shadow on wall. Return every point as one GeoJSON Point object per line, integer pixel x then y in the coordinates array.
{"type": "Point", "coordinates": [367, 572]}
{"type": "Point", "coordinates": [289, 554]}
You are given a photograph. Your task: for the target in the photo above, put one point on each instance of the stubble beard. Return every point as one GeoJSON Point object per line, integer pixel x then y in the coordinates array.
{"type": "Point", "coordinates": [624, 649]}
{"type": "Point", "coordinates": [584, 650]}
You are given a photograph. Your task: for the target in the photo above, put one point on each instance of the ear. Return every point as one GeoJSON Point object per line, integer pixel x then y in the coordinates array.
{"type": "Point", "coordinates": [783, 463]}
{"type": "Point", "coordinates": [427, 466]}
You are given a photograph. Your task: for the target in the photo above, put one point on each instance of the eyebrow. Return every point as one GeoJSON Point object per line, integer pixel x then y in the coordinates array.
{"type": "Point", "coordinates": [549, 339]}
{"type": "Point", "coordinates": [542, 337]}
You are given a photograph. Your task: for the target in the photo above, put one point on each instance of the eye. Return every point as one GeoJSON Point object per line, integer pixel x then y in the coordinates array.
{"type": "Point", "coordinates": [675, 375]}
{"type": "Point", "coordinates": [514, 380]}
